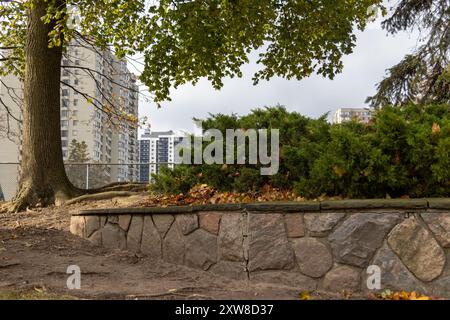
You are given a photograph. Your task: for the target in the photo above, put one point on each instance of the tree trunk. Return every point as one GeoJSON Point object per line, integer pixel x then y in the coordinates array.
{"type": "Point", "coordinates": [43, 178]}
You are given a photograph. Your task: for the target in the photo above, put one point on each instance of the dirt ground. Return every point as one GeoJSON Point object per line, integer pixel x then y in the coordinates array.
{"type": "Point", "coordinates": [36, 248]}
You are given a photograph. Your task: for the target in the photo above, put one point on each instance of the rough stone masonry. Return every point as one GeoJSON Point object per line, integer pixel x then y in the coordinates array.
{"type": "Point", "coordinates": [306, 245]}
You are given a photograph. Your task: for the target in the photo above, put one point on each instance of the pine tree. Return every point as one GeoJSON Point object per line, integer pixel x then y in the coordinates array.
{"type": "Point", "coordinates": [423, 76]}
{"type": "Point", "coordinates": [77, 172]}
{"type": "Point", "coordinates": [78, 152]}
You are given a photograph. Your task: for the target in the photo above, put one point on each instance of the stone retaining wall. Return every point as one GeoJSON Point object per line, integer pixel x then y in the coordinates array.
{"type": "Point", "coordinates": [310, 246]}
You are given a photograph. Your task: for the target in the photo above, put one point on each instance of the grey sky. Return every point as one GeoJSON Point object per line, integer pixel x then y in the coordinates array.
{"type": "Point", "coordinates": [375, 52]}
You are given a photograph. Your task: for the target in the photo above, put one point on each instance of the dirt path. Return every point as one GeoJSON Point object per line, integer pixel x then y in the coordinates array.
{"type": "Point", "coordinates": [36, 248]}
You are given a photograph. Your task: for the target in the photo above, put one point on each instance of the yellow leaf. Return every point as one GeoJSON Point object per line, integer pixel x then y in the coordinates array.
{"type": "Point", "coordinates": [404, 295]}
{"type": "Point", "coordinates": [304, 295]}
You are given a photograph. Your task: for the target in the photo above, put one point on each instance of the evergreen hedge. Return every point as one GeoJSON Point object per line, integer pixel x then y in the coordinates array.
{"type": "Point", "coordinates": [404, 151]}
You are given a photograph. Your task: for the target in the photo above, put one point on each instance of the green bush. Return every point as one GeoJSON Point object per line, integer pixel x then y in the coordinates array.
{"type": "Point", "coordinates": [178, 180]}
{"type": "Point", "coordinates": [403, 151]}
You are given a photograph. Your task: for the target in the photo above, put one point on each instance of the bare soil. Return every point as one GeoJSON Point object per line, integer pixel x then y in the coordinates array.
{"type": "Point", "coordinates": [36, 248]}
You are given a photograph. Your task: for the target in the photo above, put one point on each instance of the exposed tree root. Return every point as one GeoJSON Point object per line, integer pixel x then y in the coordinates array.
{"type": "Point", "coordinates": [4, 206]}
{"type": "Point", "coordinates": [24, 198]}
{"type": "Point", "coordinates": [101, 196]}
{"type": "Point", "coordinates": [31, 196]}
{"type": "Point", "coordinates": [28, 197]}
{"type": "Point", "coordinates": [121, 186]}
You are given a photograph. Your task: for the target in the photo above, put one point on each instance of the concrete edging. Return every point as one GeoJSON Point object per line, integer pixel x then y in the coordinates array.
{"type": "Point", "coordinates": [308, 206]}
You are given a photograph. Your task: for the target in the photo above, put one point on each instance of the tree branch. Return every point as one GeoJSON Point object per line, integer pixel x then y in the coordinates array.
{"type": "Point", "coordinates": [101, 74]}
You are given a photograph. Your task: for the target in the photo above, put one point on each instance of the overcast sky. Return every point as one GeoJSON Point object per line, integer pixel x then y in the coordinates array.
{"type": "Point", "coordinates": [374, 53]}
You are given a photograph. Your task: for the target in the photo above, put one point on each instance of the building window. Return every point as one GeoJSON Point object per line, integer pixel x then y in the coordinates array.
{"type": "Point", "coordinates": [64, 123]}
{"type": "Point", "coordinates": [64, 133]}
{"type": "Point", "coordinates": [75, 102]}
{"type": "Point", "coordinates": [65, 92]}
{"type": "Point", "coordinates": [75, 122]}
{"type": "Point", "coordinates": [64, 113]}
{"type": "Point", "coordinates": [64, 143]}
{"type": "Point", "coordinates": [65, 103]}
{"type": "Point", "coordinates": [74, 113]}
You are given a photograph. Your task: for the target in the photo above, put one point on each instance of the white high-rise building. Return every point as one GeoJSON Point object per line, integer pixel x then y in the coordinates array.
{"type": "Point", "coordinates": [158, 149]}
{"type": "Point", "coordinates": [125, 141]}
{"type": "Point", "coordinates": [363, 115]}
{"type": "Point", "coordinates": [109, 85]}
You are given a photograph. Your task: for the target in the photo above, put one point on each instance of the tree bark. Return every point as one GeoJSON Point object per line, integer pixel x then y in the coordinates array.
{"type": "Point", "coordinates": [43, 179]}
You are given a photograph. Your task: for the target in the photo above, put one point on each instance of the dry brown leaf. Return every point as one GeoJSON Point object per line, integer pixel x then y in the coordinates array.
{"type": "Point", "coordinates": [436, 129]}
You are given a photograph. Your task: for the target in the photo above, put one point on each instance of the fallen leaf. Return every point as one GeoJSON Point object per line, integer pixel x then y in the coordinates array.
{"type": "Point", "coordinates": [305, 295]}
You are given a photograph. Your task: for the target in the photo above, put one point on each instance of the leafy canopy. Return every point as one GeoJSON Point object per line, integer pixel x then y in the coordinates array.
{"type": "Point", "coordinates": [185, 40]}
